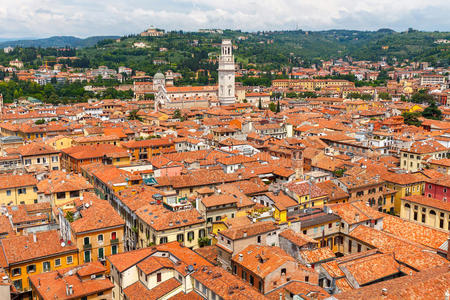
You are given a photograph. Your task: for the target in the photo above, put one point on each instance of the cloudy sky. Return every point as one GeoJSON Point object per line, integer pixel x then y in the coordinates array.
{"type": "Point", "coordinates": [44, 18]}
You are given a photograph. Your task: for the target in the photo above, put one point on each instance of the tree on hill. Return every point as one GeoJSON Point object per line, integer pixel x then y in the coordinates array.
{"type": "Point", "coordinates": [432, 112]}
{"type": "Point", "coordinates": [421, 96]}
{"type": "Point", "coordinates": [384, 96]}
{"type": "Point", "coordinates": [278, 109]}
{"type": "Point", "coordinates": [133, 115]}
{"type": "Point", "coordinates": [411, 118]}
{"type": "Point", "coordinates": [177, 114]}
{"type": "Point", "coordinates": [272, 106]}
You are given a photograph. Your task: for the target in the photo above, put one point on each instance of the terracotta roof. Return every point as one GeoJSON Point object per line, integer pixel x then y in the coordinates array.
{"type": "Point", "coordinates": [197, 178]}
{"type": "Point", "coordinates": [138, 290]}
{"type": "Point", "coordinates": [20, 248]}
{"type": "Point", "coordinates": [240, 232]}
{"type": "Point", "coordinates": [309, 291]}
{"type": "Point", "coordinates": [95, 151]}
{"type": "Point", "coordinates": [297, 238]}
{"type": "Point", "coordinates": [431, 202]}
{"type": "Point", "coordinates": [428, 284]}
{"type": "Point", "coordinates": [372, 268]}
{"type": "Point", "coordinates": [424, 147]}
{"type": "Point", "coordinates": [154, 263]}
{"type": "Point", "coordinates": [412, 254]}
{"type": "Point", "coordinates": [334, 192]}
{"type": "Point", "coordinates": [14, 181]}
{"type": "Point", "coordinates": [125, 260]}
{"type": "Point", "coordinates": [317, 255]}
{"type": "Point", "coordinates": [303, 188]}
{"type": "Point", "coordinates": [332, 268]}
{"type": "Point", "coordinates": [52, 285]}
{"type": "Point", "coordinates": [262, 260]}
{"type": "Point", "coordinates": [226, 285]}
{"type": "Point", "coordinates": [36, 148]}
{"type": "Point", "coordinates": [160, 218]}
{"type": "Point", "coordinates": [59, 181]}
{"type": "Point", "coordinates": [95, 214]}
{"type": "Point", "coordinates": [414, 232]}
{"type": "Point", "coordinates": [209, 253]}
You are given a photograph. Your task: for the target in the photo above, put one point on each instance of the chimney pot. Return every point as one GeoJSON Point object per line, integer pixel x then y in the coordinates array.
{"type": "Point", "coordinates": [384, 291]}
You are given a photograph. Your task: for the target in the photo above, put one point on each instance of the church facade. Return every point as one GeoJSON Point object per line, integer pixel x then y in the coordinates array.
{"type": "Point", "coordinates": [196, 96]}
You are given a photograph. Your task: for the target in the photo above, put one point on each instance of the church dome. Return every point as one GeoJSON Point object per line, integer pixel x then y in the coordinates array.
{"type": "Point", "coordinates": [159, 75]}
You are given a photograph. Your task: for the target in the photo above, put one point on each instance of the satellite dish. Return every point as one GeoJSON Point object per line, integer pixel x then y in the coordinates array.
{"type": "Point", "coordinates": [63, 244]}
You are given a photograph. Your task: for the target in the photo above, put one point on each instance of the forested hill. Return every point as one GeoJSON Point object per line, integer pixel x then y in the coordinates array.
{"type": "Point", "coordinates": [57, 41]}
{"type": "Point", "coordinates": [272, 50]}
{"type": "Point", "coordinates": [188, 52]}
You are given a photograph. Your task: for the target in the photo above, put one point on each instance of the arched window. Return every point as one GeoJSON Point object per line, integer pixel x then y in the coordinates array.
{"type": "Point", "coordinates": [432, 212]}
{"type": "Point", "coordinates": [407, 205]}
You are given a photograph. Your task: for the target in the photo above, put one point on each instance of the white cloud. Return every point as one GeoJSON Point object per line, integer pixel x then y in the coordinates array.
{"type": "Point", "coordinates": [40, 18]}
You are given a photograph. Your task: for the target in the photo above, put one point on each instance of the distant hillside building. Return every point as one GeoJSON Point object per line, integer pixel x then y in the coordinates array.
{"type": "Point", "coordinates": [16, 63]}
{"type": "Point", "coordinates": [8, 49]}
{"type": "Point", "coordinates": [153, 32]}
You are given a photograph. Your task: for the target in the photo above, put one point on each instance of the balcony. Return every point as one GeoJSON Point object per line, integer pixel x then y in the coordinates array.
{"type": "Point", "coordinates": [87, 246]}
{"type": "Point", "coordinates": [114, 241]}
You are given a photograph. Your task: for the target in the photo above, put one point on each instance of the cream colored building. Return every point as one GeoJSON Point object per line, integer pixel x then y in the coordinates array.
{"type": "Point", "coordinates": [426, 211]}
{"type": "Point", "coordinates": [413, 159]}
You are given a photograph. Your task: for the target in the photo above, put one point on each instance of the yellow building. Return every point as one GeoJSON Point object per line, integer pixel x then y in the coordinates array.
{"type": "Point", "coordinates": [60, 187]}
{"type": "Point", "coordinates": [161, 223]}
{"type": "Point", "coordinates": [441, 165]}
{"type": "Point", "coordinates": [39, 155]}
{"type": "Point", "coordinates": [108, 180]}
{"type": "Point", "coordinates": [96, 140]}
{"type": "Point", "coordinates": [148, 148]}
{"type": "Point", "coordinates": [60, 142]}
{"type": "Point", "coordinates": [277, 205]}
{"type": "Point", "coordinates": [307, 194]}
{"type": "Point", "coordinates": [426, 211]}
{"type": "Point", "coordinates": [356, 105]}
{"type": "Point", "coordinates": [414, 158]}
{"type": "Point", "coordinates": [33, 254]}
{"type": "Point", "coordinates": [404, 185]}
{"type": "Point", "coordinates": [74, 158]}
{"type": "Point", "coordinates": [227, 223]}
{"type": "Point", "coordinates": [96, 229]}
{"type": "Point", "coordinates": [18, 189]}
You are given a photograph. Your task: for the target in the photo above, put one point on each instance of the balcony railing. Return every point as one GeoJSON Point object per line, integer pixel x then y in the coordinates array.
{"type": "Point", "coordinates": [87, 246]}
{"type": "Point", "coordinates": [114, 241]}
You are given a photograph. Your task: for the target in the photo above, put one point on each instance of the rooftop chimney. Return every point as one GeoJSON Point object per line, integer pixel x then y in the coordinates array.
{"type": "Point", "coordinates": [384, 291]}
{"type": "Point", "coordinates": [34, 237]}
{"type": "Point", "coordinates": [357, 217]}
{"type": "Point", "coordinates": [245, 233]}
{"type": "Point", "coordinates": [241, 257]}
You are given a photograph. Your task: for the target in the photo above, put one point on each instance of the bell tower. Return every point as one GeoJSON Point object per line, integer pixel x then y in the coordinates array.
{"type": "Point", "coordinates": [226, 74]}
{"type": "Point", "coordinates": [297, 162]}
